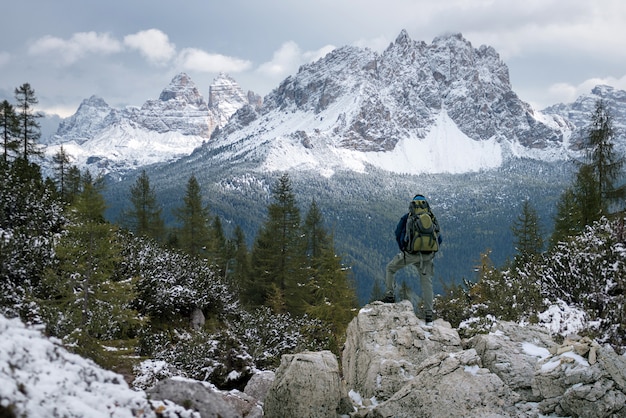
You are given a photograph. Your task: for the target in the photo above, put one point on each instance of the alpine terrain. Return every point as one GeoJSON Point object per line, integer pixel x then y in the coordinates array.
{"type": "Point", "coordinates": [360, 132]}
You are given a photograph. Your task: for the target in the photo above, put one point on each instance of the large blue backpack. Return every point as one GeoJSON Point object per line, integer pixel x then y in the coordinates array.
{"type": "Point", "coordinates": [422, 231]}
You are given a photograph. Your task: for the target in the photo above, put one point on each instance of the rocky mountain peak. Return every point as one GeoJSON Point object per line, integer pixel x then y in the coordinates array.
{"type": "Point", "coordinates": [183, 89]}
{"type": "Point", "coordinates": [359, 100]}
{"type": "Point", "coordinates": [92, 115]}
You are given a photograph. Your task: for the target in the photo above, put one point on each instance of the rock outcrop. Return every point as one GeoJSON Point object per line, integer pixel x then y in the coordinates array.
{"type": "Point", "coordinates": [395, 366]}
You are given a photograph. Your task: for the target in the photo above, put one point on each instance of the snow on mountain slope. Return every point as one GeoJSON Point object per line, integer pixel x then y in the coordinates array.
{"type": "Point", "coordinates": [104, 140]}
{"type": "Point", "coordinates": [125, 146]}
{"type": "Point", "coordinates": [287, 145]}
{"type": "Point", "coordinates": [416, 108]}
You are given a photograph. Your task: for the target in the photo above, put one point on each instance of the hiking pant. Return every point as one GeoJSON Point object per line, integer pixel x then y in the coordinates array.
{"type": "Point", "coordinates": [425, 267]}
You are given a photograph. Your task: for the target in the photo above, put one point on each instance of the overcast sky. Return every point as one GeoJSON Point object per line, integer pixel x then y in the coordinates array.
{"type": "Point", "coordinates": [127, 51]}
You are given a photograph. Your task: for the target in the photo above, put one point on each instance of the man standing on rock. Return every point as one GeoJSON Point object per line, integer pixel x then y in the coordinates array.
{"type": "Point", "coordinates": [418, 237]}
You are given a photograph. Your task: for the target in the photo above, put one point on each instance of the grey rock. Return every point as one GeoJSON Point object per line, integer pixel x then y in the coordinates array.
{"type": "Point", "coordinates": [385, 344]}
{"type": "Point", "coordinates": [206, 399]}
{"type": "Point", "coordinates": [502, 352]}
{"type": "Point", "coordinates": [307, 385]}
{"type": "Point", "coordinates": [259, 384]}
{"type": "Point", "coordinates": [450, 385]}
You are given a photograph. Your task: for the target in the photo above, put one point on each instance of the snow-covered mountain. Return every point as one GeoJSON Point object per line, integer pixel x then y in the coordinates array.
{"type": "Point", "coordinates": [579, 112]}
{"type": "Point", "coordinates": [448, 103]}
{"type": "Point", "coordinates": [105, 139]}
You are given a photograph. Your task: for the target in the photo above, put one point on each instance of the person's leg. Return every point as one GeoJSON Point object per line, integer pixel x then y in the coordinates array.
{"type": "Point", "coordinates": [393, 266]}
{"type": "Point", "coordinates": [426, 270]}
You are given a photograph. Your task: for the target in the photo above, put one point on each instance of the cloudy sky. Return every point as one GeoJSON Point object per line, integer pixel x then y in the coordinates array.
{"type": "Point", "coordinates": [127, 51]}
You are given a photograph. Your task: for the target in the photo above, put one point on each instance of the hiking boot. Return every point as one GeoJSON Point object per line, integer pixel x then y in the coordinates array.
{"type": "Point", "coordinates": [389, 299]}
{"type": "Point", "coordinates": [428, 321]}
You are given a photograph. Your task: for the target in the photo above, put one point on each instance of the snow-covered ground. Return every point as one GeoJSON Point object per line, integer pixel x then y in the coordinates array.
{"type": "Point", "coordinates": [39, 378]}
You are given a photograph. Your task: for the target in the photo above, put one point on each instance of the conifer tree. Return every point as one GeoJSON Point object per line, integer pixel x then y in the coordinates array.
{"type": "Point", "coordinates": [221, 250]}
{"type": "Point", "coordinates": [314, 233]}
{"type": "Point", "coordinates": [241, 265]}
{"type": "Point", "coordinates": [8, 129]}
{"type": "Point", "coordinates": [28, 127]}
{"type": "Point", "coordinates": [72, 183]}
{"type": "Point", "coordinates": [145, 216]}
{"type": "Point", "coordinates": [332, 296]}
{"type": "Point", "coordinates": [277, 252]}
{"type": "Point", "coordinates": [79, 289]}
{"type": "Point", "coordinates": [605, 164]}
{"type": "Point", "coordinates": [567, 221]}
{"type": "Point", "coordinates": [61, 162]}
{"type": "Point", "coordinates": [594, 190]}
{"type": "Point", "coordinates": [193, 234]}
{"type": "Point", "coordinates": [527, 232]}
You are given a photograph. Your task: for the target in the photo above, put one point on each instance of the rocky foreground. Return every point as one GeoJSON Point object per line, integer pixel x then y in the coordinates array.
{"type": "Point", "coordinates": [392, 365]}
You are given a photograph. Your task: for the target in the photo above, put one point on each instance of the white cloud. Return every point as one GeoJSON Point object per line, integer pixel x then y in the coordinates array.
{"type": "Point", "coordinates": [567, 93]}
{"type": "Point", "coordinates": [75, 48]}
{"type": "Point", "coordinates": [289, 57]}
{"type": "Point", "coordinates": [152, 44]}
{"type": "Point", "coordinates": [194, 59]}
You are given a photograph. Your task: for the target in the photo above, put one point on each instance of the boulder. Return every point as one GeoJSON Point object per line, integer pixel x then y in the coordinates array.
{"type": "Point", "coordinates": [259, 384]}
{"type": "Point", "coordinates": [568, 384]}
{"type": "Point", "coordinates": [385, 344]}
{"type": "Point", "coordinates": [450, 385]}
{"type": "Point", "coordinates": [306, 385]}
{"type": "Point", "coordinates": [512, 351]}
{"type": "Point", "coordinates": [205, 399]}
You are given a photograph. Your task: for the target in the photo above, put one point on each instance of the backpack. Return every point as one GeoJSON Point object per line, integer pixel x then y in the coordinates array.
{"type": "Point", "coordinates": [422, 230]}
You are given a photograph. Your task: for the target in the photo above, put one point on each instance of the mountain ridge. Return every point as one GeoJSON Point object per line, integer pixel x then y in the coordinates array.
{"type": "Point", "coordinates": [351, 109]}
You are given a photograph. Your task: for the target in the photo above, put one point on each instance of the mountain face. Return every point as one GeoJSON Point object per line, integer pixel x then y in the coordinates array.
{"type": "Point", "coordinates": [106, 140]}
{"type": "Point", "coordinates": [579, 113]}
{"type": "Point", "coordinates": [447, 101]}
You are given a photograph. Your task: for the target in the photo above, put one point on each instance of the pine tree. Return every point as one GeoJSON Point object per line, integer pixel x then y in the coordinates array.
{"type": "Point", "coordinates": [527, 232]}
{"type": "Point", "coordinates": [72, 183]}
{"type": "Point", "coordinates": [277, 252]}
{"type": "Point", "coordinates": [78, 291]}
{"type": "Point", "coordinates": [594, 190]}
{"type": "Point", "coordinates": [567, 221]}
{"type": "Point", "coordinates": [313, 231]}
{"type": "Point", "coordinates": [331, 293]}
{"type": "Point", "coordinates": [605, 164]}
{"type": "Point", "coordinates": [145, 216]}
{"type": "Point", "coordinates": [61, 162]}
{"type": "Point", "coordinates": [241, 265]}
{"type": "Point", "coordinates": [9, 129]}
{"type": "Point", "coordinates": [28, 127]}
{"type": "Point", "coordinates": [587, 194]}
{"type": "Point", "coordinates": [193, 235]}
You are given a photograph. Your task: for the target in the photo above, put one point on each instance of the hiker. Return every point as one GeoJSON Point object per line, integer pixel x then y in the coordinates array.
{"type": "Point", "coordinates": [417, 234]}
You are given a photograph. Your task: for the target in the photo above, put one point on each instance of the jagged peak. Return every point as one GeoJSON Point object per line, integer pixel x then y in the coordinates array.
{"type": "Point", "coordinates": [403, 37]}
{"type": "Point", "coordinates": [94, 101]}
{"type": "Point", "coordinates": [181, 86]}
{"type": "Point", "coordinates": [223, 78]}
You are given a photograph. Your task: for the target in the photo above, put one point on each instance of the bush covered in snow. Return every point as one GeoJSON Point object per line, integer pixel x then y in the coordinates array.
{"type": "Point", "coordinates": [577, 287]}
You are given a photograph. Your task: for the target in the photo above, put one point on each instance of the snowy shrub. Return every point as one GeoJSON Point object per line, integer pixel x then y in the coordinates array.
{"type": "Point", "coordinates": [30, 220]}
{"type": "Point", "coordinates": [589, 272]}
{"type": "Point", "coordinates": [171, 284]}
{"type": "Point", "coordinates": [267, 336]}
